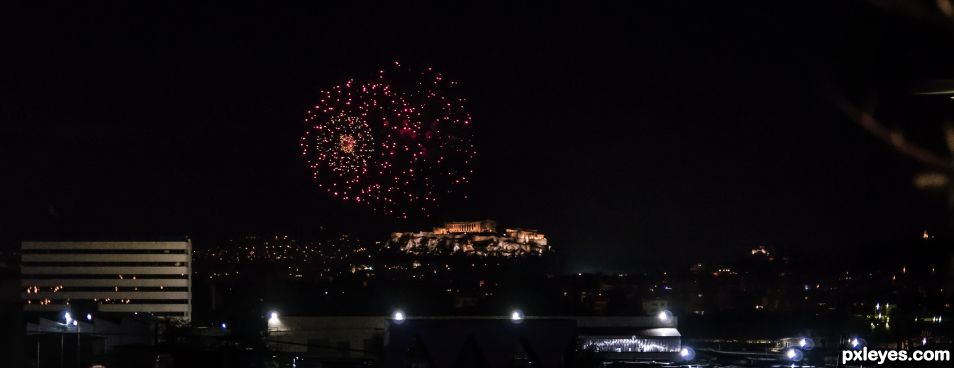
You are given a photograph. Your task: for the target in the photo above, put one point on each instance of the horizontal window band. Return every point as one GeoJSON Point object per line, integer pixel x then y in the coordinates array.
{"type": "Point", "coordinates": [105, 264]}
{"type": "Point", "coordinates": [103, 251]}
{"type": "Point", "coordinates": [105, 258]}
{"type": "Point", "coordinates": [105, 277]}
{"type": "Point", "coordinates": [112, 301]}
{"type": "Point", "coordinates": [97, 270]}
{"type": "Point", "coordinates": [110, 282]}
{"type": "Point", "coordinates": [45, 289]}
{"type": "Point", "coordinates": [90, 295]}
{"type": "Point", "coordinates": [104, 245]}
{"type": "Point", "coordinates": [114, 308]}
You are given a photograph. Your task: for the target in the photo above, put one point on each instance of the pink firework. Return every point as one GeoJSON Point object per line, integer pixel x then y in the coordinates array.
{"type": "Point", "coordinates": [399, 143]}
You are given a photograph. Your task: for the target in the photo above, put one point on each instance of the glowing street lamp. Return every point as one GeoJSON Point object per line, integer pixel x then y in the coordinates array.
{"type": "Point", "coordinates": [273, 317]}
{"type": "Point", "coordinates": [794, 355]}
{"type": "Point", "coordinates": [856, 342]}
{"type": "Point", "coordinates": [398, 316]}
{"type": "Point", "coordinates": [686, 353]}
{"type": "Point", "coordinates": [806, 343]}
{"type": "Point", "coordinates": [664, 316]}
{"type": "Point", "coordinates": [516, 316]}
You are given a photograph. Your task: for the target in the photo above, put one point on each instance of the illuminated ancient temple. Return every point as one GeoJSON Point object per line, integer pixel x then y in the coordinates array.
{"type": "Point", "coordinates": [472, 237]}
{"type": "Point", "coordinates": [459, 227]}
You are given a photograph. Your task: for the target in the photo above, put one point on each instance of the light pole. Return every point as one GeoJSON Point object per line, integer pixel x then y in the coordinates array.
{"type": "Point", "coordinates": [78, 337]}
{"type": "Point", "coordinates": [68, 318]}
{"type": "Point", "coordinates": [38, 345]}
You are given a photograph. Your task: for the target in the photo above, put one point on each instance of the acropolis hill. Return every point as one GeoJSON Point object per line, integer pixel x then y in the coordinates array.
{"type": "Point", "coordinates": [472, 237]}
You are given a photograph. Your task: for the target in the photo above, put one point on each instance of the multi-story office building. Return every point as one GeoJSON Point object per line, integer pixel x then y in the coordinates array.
{"type": "Point", "coordinates": [108, 277]}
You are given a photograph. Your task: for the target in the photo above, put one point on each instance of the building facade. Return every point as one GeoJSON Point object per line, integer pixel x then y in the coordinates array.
{"type": "Point", "coordinates": [462, 227]}
{"type": "Point", "coordinates": [108, 277]}
{"type": "Point", "coordinates": [326, 338]}
{"type": "Point", "coordinates": [526, 236]}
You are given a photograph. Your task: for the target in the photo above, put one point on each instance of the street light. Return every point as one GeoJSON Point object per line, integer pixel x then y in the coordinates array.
{"type": "Point", "coordinates": [856, 342]}
{"type": "Point", "coordinates": [687, 354]}
{"type": "Point", "coordinates": [806, 343]}
{"type": "Point", "coordinates": [794, 355]}
{"type": "Point", "coordinates": [69, 319]}
{"type": "Point", "coordinates": [664, 316]}
{"type": "Point", "coordinates": [398, 316]}
{"type": "Point", "coordinates": [273, 317]}
{"type": "Point", "coordinates": [516, 316]}
{"type": "Point", "coordinates": [89, 317]}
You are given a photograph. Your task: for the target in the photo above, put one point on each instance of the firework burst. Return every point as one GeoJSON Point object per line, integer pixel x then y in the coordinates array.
{"type": "Point", "coordinates": [399, 143]}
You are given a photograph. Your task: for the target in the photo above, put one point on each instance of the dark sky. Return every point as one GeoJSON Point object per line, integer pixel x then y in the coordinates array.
{"type": "Point", "coordinates": [629, 134]}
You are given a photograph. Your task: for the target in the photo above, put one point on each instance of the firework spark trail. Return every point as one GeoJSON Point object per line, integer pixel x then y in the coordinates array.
{"type": "Point", "coordinates": [399, 143]}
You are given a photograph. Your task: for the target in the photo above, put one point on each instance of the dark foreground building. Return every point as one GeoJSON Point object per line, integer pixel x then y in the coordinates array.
{"type": "Point", "coordinates": [539, 341]}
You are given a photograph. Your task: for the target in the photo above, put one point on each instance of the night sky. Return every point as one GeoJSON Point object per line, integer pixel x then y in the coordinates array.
{"type": "Point", "coordinates": [629, 135]}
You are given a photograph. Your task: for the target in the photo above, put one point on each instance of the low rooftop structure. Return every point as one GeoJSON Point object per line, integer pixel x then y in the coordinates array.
{"type": "Point", "coordinates": [546, 341]}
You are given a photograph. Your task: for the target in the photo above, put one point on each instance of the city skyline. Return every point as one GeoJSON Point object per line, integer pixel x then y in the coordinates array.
{"type": "Point", "coordinates": [557, 184]}
{"type": "Point", "coordinates": [633, 142]}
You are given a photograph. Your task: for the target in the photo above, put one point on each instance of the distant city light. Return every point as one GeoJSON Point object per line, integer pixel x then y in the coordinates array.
{"type": "Point", "coordinates": [924, 341]}
{"type": "Point", "coordinates": [223, 325]}
{"type": "Point", "coordinates": [855, 343]}
{"type": "Point", "coordinates": [806, 343]}
{"type": "Point", "coordinates": [68, 317]}
{"type": "Point", "coordinates": [75, 322]}
{"type": "Point", "coordinates": [664, 316]}
{"type": "Point", "coordinates": [89, 317]}
{"type": "Point", "coordinates": [516, 315]}
{"type": "Point", "coordinates": [273, 317]}
{"type": "Point", "coordinates": [398, 316]}
{"type": "Point", "coordinates": [794, 355]}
